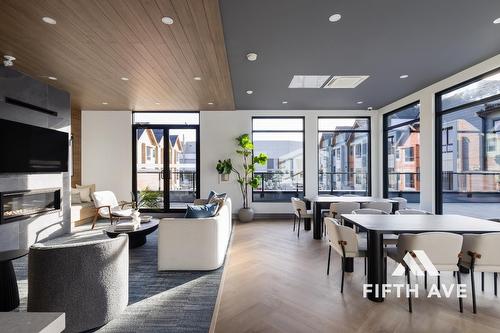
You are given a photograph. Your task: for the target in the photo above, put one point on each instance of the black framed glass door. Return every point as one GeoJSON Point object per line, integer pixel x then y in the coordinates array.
{"type": "Point", "coordinates": [165, 166]}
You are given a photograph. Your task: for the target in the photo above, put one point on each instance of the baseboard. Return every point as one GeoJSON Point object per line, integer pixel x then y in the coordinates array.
{"type": "Point", "coordinates": [269, 216]}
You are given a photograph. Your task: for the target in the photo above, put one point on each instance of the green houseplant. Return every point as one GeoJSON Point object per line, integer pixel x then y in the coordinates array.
{"type": "Point", "coordinates": [245, 176]}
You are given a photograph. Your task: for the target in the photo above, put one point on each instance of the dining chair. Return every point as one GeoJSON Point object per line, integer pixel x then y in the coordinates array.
{"type": "Point", "coordinates": [389, 239]}
{"type": "Point", "coordinates": [380, 205]}
{"type": "Point", "coordinates": [300, 213]}
{"type": "Point", "coordinates": [481, 255]}
{"type": "Point", "coordinates": [412, 212]}
{"type": "Point", "coordinates": [339, 208]}
{"type": "Point", "coordinates": [402, 202]}
{"type": "Point", "coordinates": [345, 242]}
{"type": "Point", "coordinates": [442, 248]}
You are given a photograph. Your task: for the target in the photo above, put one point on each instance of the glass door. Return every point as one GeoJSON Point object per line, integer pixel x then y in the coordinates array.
{"type": "Point", "coordinates": [166, 166]}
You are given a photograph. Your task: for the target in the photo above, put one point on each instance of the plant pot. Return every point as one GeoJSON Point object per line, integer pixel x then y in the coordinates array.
{"type": "Point", "coordinates": [224, 177]}
{"type": "Point", "coordinates": [245, 214]}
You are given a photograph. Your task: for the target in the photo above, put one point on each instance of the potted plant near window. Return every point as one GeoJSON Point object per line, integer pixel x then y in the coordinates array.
{"type": "Point", "coordinates": [224, 168]}
{"type": "Point", "coordinates": [244, 177]}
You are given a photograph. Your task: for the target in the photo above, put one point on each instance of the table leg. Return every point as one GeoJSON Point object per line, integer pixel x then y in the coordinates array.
{"type": "Point", "coordinates": [317, 220]}
{"type": "Point", "coordinates": [307, 224]}
{"type": "Point", "coordinates": [375, 265]}
{"type": "Point", "coordinates": [9, 294]}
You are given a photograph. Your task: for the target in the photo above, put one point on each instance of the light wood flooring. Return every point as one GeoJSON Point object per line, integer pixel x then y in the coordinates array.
{"type": "Point", "coordinates": [274, 282]}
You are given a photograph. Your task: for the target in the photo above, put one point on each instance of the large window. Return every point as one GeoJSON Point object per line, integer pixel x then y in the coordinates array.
{"type": "Point", "coordinates": [468, 165]}
{"type": "Point", "coordinates": [402, 154]}
{"type": "Point", "coordinates": [282, 140]}
{"type": "Point", "coordinates": [165, 159]}
{"type": "Point", "coordinates": [344, 156]}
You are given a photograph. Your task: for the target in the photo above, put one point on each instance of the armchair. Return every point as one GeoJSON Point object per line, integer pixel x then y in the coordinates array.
{"type": "Point", "coordinates": [107, 206]}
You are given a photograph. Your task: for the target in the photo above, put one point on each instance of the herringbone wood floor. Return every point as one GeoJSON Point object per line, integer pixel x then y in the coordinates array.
{"type": "Point", "coordinates": [275, 282]}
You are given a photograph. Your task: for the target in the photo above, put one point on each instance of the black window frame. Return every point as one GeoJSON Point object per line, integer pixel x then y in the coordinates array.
{"type": "Point", "coordinates": [438, 124]}
{"type": "Point", "coordinates": [302, 193]}
{"type": "Point", "coordinates": [369, 150]}
{"type": "Point", "coordinates": [385, 149]}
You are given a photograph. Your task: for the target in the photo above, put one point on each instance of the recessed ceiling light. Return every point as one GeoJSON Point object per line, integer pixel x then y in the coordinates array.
{"type": "Point", "coordinates": [197, 78]}
{"type": "Point", "coordinates": [496, 21]}
{"type": "Point", "coordinates": [104, 103]}
{"type": "Point", "coordinates": [249, 92]}
{"type": "Point", "coordinates": [335, 18]}
{"type": "Point", "coordinates": [359, 102]}
{"type": "Point", "coordinates": [167, 20]}
{"type": "Point", "coordinates": [404, 76]}
{"type": "Point", "coordinates": [252, 56]}
{"type": "Point", "coordinates": [124, 78]}
{"type": "Point", "coordinates": [49, 20]}
{"type": "Point", "coordinates": [210, 103]}
{"type": "Point", "coordinates": [284, 102]}
{"type": "Point", "coordinates": [53, 78]}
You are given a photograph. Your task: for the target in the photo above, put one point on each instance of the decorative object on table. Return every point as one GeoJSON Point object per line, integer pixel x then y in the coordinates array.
{"type": "Point", "coordinates": [145, 218]}
{"type": "Point", "coordinates": [224, 169]}
{"type": "Point", "coordinates": [245, 177]}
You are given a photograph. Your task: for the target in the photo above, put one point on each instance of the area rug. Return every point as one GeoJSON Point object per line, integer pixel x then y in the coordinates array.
{"type": "Point", "coordinates": [158, 301]}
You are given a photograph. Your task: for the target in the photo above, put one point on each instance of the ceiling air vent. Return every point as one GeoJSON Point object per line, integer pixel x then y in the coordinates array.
{"type": "Point", "coordinates": [343, 82]}
{"type": "Point", "coordinates": [308, 81]}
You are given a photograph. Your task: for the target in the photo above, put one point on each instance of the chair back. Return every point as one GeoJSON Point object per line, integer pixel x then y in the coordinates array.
{"type": "Point", "coordinates": [442, 248]}
{"type": "Point", "coordinates": [484, 244]}
{"type": "Point", "coordinates": [402, 202]}
{"type": "Point", "coordinates": [104, 198]}
{"type": "Point", "coordinates": [338, 208]}
{"type": "Point", "coordinates": [299, 207]}
{"type": "Point", "coordinates": [337, 232]}
{"type": "Point", "coordinates": [369, 211]}
{"type": "Point", "coordinates": [380, 205]}
{"type": "Point", "coordinates": [412, 212]}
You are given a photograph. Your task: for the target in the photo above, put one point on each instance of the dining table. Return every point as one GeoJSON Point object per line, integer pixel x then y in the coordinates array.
{"type": "Point", "coordinates": [378, 225]}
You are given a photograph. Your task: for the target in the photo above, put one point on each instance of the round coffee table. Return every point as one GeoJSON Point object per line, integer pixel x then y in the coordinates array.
{"type": "Point", "coordinates": [137, 237]}
{"type": "Point", "coordinates": [9, 294]}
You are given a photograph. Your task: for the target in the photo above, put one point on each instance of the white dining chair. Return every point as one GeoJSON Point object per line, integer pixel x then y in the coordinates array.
{"type": "Point", "coordinates": [389, 239]}
{"type": "Point", "coordinates": [442, 248]}
{"type": "Point", "coordinates": [339, 208]}
{"type": "Point", "coordinates": [380, 205]}
{"type": "Point", "coordinates": [480, 254]}
{"type": "Point", "coordinates": [402, 202]}
{"type": "Point", "coordinates": [345, 242]}
{"type": "Point", "coordinates": [412, 212]}
{"type": "Point", "coordinates": [300, 212]}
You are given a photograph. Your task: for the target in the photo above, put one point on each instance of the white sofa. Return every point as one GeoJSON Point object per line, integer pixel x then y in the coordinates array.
{"type": "Point", "coordinates": [194, 244]}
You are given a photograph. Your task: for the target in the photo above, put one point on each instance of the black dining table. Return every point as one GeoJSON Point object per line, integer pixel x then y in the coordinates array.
{"type": "Point", "coordinates": [378, 225]}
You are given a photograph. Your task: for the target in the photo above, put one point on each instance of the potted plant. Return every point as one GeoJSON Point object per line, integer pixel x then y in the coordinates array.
{"type": "Point", "coordinates": [244, 177]}
{"type": "Point", "coordinates": [224, 169]}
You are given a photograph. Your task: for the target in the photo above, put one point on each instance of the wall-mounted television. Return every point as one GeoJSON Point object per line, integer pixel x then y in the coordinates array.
{"type": "Point", "coordinates": [26, 148]}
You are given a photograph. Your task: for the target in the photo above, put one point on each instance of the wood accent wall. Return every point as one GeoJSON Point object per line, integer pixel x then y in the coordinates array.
{"type": "Point", "coordinates": [76, 132]}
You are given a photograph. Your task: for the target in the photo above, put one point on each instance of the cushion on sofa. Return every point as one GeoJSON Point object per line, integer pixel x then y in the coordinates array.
{"type": "Point", "coordinates": [84, 193]}
{"type": "Point", "coordinates": [201, 211]}
{"type": "Point", "coordinates": [75, 196]}
{"type": "Point", "coordinates": [214, 195]}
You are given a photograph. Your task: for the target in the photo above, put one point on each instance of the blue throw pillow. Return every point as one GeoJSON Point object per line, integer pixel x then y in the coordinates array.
{"type": "Point", "coordinates": [216, 195]}
{"type": "Point", "coordinates": [200, 211]}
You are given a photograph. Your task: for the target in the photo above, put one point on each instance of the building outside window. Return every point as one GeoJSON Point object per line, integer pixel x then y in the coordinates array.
{"type": "Point", "coordinates": [344, 156]}
{"type": "Point", "coordinates": [402, 154]}
{"type": "Point", "coordinates": [282, 140]}
{"type": "Point", "coordinates": [468, 169]}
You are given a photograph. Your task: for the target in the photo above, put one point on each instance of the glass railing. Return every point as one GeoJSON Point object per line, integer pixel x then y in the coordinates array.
{"type": "Point", "coordinates": [279, 186]}
{"type": "Point", "coordinates": [339, 183]}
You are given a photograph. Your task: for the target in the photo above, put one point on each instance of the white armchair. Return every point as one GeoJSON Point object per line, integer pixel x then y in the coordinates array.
{"type": "Point", "coordinates": [107, 207]}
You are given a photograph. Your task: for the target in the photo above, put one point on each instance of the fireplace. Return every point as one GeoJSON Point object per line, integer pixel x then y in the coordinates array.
{"type": "Point", "coordinates": [18, 205]}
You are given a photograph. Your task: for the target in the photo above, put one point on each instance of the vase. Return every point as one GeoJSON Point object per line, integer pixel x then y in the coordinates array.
{"type": "Point", "coordinates": [245, 214]}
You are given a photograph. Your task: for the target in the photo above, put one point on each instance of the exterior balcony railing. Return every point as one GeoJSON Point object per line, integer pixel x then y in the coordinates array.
{"type": "Point", "coordinates": [339, 183]}
{"type": "Point", "coordinates": [279, 186]}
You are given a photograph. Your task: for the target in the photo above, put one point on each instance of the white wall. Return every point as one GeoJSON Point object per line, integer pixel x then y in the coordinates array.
{"type": "Point", "coordinates": [107, 151]}
{"type": "Point", "coordinates": [218, 130]}
{"type": "Point", "coordinates": [427, 117]}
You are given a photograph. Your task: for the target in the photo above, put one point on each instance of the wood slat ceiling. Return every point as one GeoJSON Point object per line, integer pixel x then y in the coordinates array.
{"type": "Point", "coordinates": [96, 42]}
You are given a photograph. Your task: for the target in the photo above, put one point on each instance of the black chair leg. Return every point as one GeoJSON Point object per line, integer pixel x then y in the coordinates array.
{"type": "Point", "coordinates": [342, 282]}
{"type": "Point", "coordinates": [425, 280]}
{"type": "Point", "coordinates": [460, 301]}
{"type": "Point", "coordinates": [474, 310]}
{"type": "Point", "coordinates": [294, 221]}
{"type": "Point", "coordinates": [385, 269]}
{"type": "Point", "coordinates": [365, 266]}
{"type": "Point", "coordinates": [298, 229]}
{"type": "Point", "coordinates": [482, 281]}
{"type": "Point", "coordinates": [409, 294]}
{"type": "Point", "coordinates": [439, 280]}
{"type": "Point", "coordinates": [329, 258]}
{"type": "Point", "coordinates": [495, 275]}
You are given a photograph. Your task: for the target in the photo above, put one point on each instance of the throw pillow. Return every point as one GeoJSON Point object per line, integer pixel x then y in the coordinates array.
{"type": "Point", "coordinates": [201, 211]}
{"type": "Point", "coordinates": [91, 189]}
{"type": "Point", "coordinates": [214, 195]}
{"type": "Point", "coordinates": [84, 194]}
{"type": "Point", "coordinates": [75, 196]}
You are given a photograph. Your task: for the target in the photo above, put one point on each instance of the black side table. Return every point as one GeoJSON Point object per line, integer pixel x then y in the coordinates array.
{"type": "Point", "coordinates": [9, 293]}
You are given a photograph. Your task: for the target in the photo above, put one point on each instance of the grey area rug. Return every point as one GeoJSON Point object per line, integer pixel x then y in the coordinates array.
{"type": "Point", "coordinates": [158, 301]}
